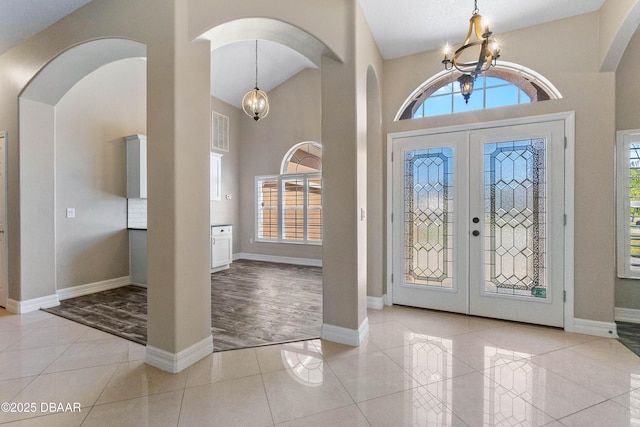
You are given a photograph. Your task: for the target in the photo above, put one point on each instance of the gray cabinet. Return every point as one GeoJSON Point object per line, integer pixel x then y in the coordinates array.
{"type": "Point", "coordinates": [138, 257]}
{"type": "Point", "coordinates": [136, 166]}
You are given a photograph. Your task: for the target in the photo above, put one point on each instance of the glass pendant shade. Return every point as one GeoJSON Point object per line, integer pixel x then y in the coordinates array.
{"type": "Point", "coordinates": [256, 104]}
{"type": "Point", "coordinates": [466, 86]}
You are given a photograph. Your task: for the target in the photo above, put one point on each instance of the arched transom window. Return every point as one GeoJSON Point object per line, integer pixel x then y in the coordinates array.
{"type": "Point", "coordinates": [303, 157]}
{"type": "Point", "coordinates": [503, 85]}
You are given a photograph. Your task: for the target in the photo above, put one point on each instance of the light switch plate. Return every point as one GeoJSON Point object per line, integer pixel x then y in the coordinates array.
{"type": "Point", "coordinates": [71, 212]}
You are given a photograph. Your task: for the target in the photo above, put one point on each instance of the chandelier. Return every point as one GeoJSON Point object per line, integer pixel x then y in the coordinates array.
{"type": "Point", "coordinates": [255, 102]}
{"type": "Point", "coordinates": [475, 56]}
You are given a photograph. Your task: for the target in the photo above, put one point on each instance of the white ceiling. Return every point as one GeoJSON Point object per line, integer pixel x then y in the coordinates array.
{"type": "Point", "coordinates": [21, 19]}
{"type": "Point", "coordinates": [400, 27]}
{"type": "Point", "coordinates": [405, 27]}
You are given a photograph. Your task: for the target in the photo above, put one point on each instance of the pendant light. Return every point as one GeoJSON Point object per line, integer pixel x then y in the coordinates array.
{"type": "Point", "coordinates": [475, 56]}
{"type": "Point", "coordinates": [256, 103]}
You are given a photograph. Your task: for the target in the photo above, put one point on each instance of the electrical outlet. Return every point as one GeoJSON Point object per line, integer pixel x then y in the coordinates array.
{"type": "Point", "coordinates": [251, 240]}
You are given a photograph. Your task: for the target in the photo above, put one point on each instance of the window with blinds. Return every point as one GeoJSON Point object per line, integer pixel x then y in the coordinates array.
{"type": "Point", "coordinates": [289, 208]}
{"type": "Point", "coordinates": [219, 132]}
{"type": "Point", "coordinates": [628, 203]}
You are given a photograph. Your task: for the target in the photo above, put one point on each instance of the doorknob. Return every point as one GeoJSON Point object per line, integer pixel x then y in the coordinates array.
{"type": "Point", "coordinates": [476, 220]}
{"type": "Point", "coordinates": [476, 233]}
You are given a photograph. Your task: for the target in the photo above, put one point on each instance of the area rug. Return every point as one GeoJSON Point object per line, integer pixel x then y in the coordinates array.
{"type": "Point", "coordinates": [253, 303]}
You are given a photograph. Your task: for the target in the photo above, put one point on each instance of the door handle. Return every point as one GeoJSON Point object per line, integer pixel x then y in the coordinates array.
{"type": "Point", "coordinates": [476, 220]}
{"type": "Point", "coordinates": [476, 233]}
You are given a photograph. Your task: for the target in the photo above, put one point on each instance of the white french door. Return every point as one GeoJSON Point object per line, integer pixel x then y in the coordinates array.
{"type": "Point", "coordinates": [478, 221]}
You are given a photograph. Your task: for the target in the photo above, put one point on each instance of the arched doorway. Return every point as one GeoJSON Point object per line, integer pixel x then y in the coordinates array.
{"type": "Point", "coordinates": [37, 107]}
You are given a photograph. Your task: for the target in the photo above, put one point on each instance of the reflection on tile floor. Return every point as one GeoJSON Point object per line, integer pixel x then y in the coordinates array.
{"type": "Point", "coordinates": [417, 367]}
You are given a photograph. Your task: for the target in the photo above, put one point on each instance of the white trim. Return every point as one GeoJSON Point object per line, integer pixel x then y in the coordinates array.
{"type": "Point", "coordinates": [279, 259]}
{"type": "Point", "coordinates": [176, 362]}
{"type": "Point", "coordinates": [569, 210]}
{"type": "Point", "coordinates": [35, 304]}
{"type": "Point", "coordinates": [624, 139]}
{"type": "Point", "coordinates": [375, 303]}
{"type": "Point", "coordinates": [593, 327]}
{"type": "Point", "coordinates": [92, 288]}
{"type": "Point", "coordinates": [630, 315]}
{"type": "Point", "coordinates": [346, 336]}
{"type": "Point", "coordinates": [4, 251]}
{"type": "Point", "coordinates": [569, 180]}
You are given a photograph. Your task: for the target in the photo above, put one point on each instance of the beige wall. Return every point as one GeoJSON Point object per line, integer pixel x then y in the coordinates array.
{"type": "Point", "coordinates": [227, 211]}
{"type": "Point", "coordinates": [370, 74]}
{"type": "Point", "coordinates": [553, 51]}
{"type": "Point", "coordinates": [90, 157]}
{"type": "Point", "coordinates": [294, 116]}
{"type": "Point", "coordinates": [37, 205]}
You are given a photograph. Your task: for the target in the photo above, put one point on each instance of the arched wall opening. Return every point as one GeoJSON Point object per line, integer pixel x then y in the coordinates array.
{"type": "Point", "coordinates": [342, 293]}
{"type": "Point", "coordinates": [42, 164]}
{"type": "Point", "coordinates": [295, 116]}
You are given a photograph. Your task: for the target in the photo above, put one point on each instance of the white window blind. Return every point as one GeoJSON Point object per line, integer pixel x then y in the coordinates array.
{"type": "Point", "coordinates": [628, 203]}
{"type": "Point", "coordinates": [289, 208]}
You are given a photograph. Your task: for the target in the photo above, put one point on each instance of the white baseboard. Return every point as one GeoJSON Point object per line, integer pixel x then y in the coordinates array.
{"type": "Point", "coordinates": [593, 327]}
{"type": "Point", "coordinates": [176, 362]}
{"type": "Point", "coordinates": [376, 303]}
{"type": "Point", "coordinates": [388, 300]}
{"type": "Point", "coordinates": [92, 288]}
{"type": "Point", "coordinates": [27, 306]}
{"type": "Point", "coordinates": [630, 315]}
{"type": "Point", "coordinates": [346, 336]}
{"type": "Point", "coordinates": [280, 259]}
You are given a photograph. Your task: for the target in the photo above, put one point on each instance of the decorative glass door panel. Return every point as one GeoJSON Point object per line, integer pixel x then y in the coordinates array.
{"type": "Point", "coordinates": [481, 222]}
{"type": "Point", "coordinates": [428, 217]}
{"type": "Point", "coordinates": [514, 231]}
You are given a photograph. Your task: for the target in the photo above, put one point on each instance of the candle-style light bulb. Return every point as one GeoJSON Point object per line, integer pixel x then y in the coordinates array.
{"type": "Point", "coordinates": [485, 28]}
{"type": "Point", "coordinates": [446, 50]}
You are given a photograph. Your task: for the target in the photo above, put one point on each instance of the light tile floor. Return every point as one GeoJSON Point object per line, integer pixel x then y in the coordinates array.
{"type": "Point", "coordinates": [417, 367]}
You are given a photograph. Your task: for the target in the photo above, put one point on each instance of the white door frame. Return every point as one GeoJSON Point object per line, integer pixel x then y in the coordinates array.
{"type": "Point", "coordinates": [4, 265]}
{"type": "Point", "coordinates": [569, 180]}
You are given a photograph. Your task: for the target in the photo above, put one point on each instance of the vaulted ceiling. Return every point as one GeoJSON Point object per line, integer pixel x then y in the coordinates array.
{"type": "Point", "coordinates": [400, 28]}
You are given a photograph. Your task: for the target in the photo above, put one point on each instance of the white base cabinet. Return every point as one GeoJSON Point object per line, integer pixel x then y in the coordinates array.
{"type": "Point", "coordinates": [221, 247]}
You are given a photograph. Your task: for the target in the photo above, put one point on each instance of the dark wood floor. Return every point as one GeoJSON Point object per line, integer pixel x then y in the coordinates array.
{"type": "Point", "coordinates": [629, 335]}
{"type": "Point", "coordinates": [253, 303]}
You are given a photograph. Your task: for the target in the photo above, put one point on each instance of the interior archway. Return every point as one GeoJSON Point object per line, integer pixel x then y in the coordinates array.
{"type": "Point", "coordinates": [37, 107]}
{"type": "Point", "coordinates": [263, 144]}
